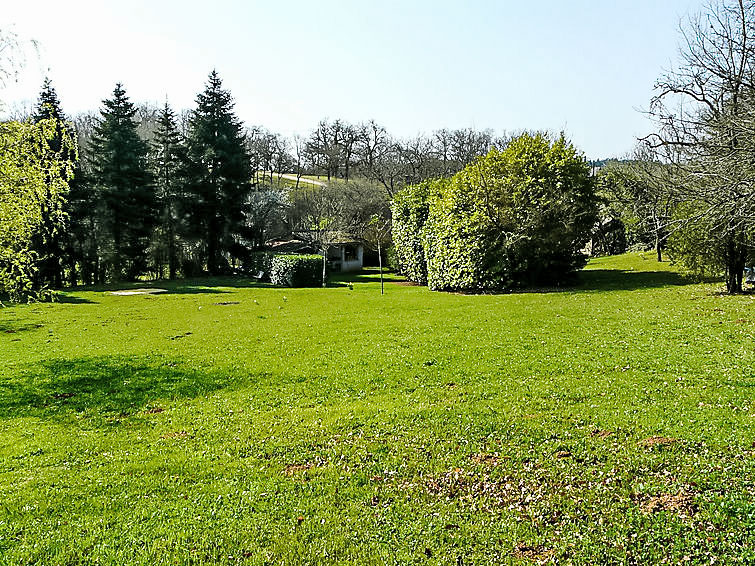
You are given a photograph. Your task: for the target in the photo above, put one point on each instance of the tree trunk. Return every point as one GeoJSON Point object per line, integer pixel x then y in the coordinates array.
{"type": "Point", "coordinates": [324, 263]}
{"type": "Point", "coordinates": [736, 257]}
{"type": "Point", "coordinates": [172, 267]}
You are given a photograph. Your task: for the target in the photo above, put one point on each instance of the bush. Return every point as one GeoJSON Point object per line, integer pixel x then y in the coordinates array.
{"type": "Point", "coordinates": [516, 217]}
{"type": "Point", "coordinates": [410, 209]}
{"type": "Point", "coordinates": [296, 270]}
{"type": "Point", "coordinates": [258, 262]}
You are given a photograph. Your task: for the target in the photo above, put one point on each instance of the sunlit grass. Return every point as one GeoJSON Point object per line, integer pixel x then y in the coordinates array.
{"type": "Point", "coordinates": [226, 422]}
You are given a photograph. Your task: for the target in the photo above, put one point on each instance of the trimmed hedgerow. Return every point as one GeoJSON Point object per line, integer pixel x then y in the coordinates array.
{"type": "Point", "coordinates": [296, 270]}
{"type": "Point", "coordinates": [409, 210]}
{"type": "Point", "coordinates": [515, 217]}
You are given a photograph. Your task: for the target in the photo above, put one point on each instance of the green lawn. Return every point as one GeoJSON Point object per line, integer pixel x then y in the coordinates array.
{"type": "Point", "coordinates": [228, 423]}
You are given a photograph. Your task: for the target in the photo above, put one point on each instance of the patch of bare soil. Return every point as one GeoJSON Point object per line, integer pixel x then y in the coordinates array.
{"type": "Point", "coordinates": [597, 433]}
{"type": "Point", "coordinates": [127, 292]}
{"type": "Point", "coordinates": [535, 553]}
{"type": "Point", "coordinates": [154, 410]}
{"type": "Point", "coordinates": [490, 460]}
{"type": "Point", "coordinates": [294, 469]}
{"type": "Point", "coordinates": [177, 434]}
{"type": "Point", "coordinates": [562, 454]}
{"type": "Point", "coordinates": [64, 395]}
{"type": "Point", "coordinates": [657, 441]}
{"type": "Point", "coordinates": [682, 504]}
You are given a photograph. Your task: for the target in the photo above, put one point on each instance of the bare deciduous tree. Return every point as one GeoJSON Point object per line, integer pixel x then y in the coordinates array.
{"type": "Point", "coordinates": [704, 109]}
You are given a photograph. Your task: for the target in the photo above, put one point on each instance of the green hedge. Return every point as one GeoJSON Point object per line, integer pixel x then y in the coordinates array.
{"type": "Point", "coordinates": [296, 270]}
{"type": "Point", "coordinates": [515, 217]}
{"type": "Point", "coordinates": [409, 211]}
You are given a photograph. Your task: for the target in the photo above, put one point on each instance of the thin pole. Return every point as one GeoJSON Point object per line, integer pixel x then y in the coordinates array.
{"type": "Point", "coordinates": [380, 263]}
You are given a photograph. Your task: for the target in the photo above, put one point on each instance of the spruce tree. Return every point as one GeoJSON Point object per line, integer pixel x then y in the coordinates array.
{"type": "Point", "coordinates": [120, 171]}
{"type": "Point", "coordinates": [220, 174]}
{"type": "Point", "coordinates": [47, 241]}
{"type": "Point", "coordinates": [169, 167]}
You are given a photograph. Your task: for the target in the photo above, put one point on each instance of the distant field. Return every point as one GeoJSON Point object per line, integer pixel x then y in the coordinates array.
{"type": "Point", "coordinates": [225, 422]}
{"type": "Point", "coordinates": [289, 180]}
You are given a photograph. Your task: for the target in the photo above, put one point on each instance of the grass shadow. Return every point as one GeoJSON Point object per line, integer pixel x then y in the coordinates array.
{"type": "Point", "coordinates": [192, 290]}
{"type": "Point", "coordinates": [13, 326]}
{"type": "Point", "coordinates": [193, 286]}
{"type": "Point", "coordinates": [626, 280]}
{"type": "Point", "coordinates": [67, 299]}
{"type": "Point", "coordinates": [101, 386]}
{"type": "Point", "coordinates": [364, 276]}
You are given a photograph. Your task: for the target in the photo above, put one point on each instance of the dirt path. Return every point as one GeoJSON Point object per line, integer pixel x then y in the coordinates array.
{"type": "Point", "coordinates": [302, 180]}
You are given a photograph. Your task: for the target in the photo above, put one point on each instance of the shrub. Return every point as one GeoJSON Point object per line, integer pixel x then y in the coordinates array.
{"type": "Point", "coordinates": [515, 217]}
{"type": "Point", "coordinates": [258, 262]}
{"type": "Point", "coordinates": [296, 270]}
{"type": "Point", "coordinates": [410, 208]}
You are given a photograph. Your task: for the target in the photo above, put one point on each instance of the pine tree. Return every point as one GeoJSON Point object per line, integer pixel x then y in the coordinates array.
{"type": "Point", "coordinates": [169, 167]}
{"type": "Point", "coordinates": [47, 241]}
{"type": "Point", "coordinates": [120, 170]}
{"type": "Point", "coordinates": [220, 174]}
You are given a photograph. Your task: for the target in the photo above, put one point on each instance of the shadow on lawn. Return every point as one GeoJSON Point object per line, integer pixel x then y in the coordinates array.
{"type": "Point", "coordinates": [589, 280]}
{"type": "Point", "coordinates": [15, 326]}
{"type": "Point", "coordinates": [67, 299]}
{"type": "Point", "coordinates": [105, 386]}
{"type": "Point", "coordinates": [618, 280]}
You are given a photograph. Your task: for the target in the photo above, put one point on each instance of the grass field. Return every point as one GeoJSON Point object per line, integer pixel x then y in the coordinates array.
{"type": "Point", "coordinates": [228, 423]}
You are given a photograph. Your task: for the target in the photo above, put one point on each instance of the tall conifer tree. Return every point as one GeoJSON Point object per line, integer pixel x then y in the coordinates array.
{"type": "Point", "coordinates": [169, 167]}
{"type": "Point", "coordinates": [120, 170]}
{"type": "Point", "coordinates": [220, 173]}
{"type": "Point", "coordinates": [47, 242]}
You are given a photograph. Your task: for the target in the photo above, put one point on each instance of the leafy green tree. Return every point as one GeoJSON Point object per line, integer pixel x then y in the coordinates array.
{"type": "Point", "coordinates": [410, 209]}
{"type": "Point", "coordinates": [220, 175]}
{"type": "Point", "coordinates": [121, 174]}
{"type": "Point", "coordinates": [640, 192]}
{"type": "Point", "coordinates": [169, 167]}
{"type": "Point", "coordinates": [516, 217]}
{"type": "Point", "coordinates": [47, 241]}
{"type": "Point", "coordinates": [30, 173]}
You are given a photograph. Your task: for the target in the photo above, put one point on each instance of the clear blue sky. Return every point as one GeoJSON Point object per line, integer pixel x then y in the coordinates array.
{"type": "Point", "coordinates": [583, 66]}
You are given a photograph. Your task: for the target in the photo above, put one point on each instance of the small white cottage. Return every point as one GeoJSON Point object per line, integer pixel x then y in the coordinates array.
{"type": "Point", "coordinates": [345, 253]}
{"type": "Point", "coordinates": [346, 256]}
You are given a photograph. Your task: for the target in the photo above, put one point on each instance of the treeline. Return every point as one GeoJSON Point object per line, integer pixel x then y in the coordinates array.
{"type": "Point", "coordinates": [156, 193]}
{"type": "Point", "coordinates": [334, 149]}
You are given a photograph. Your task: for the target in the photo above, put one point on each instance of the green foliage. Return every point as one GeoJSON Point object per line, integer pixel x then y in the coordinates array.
{"type": "Point", "coordinates": [696, 244]}
{"type": "Point", "coordinates": [169, 165]}
{"type": "Point", "coordinates": [296, 270]}
{"type": "Point", "coordinates": [125, 186]}
{"type": "Point", "coordinates": [639, 193]}
{"type": "Point", "coordinates": [219, 176]}
{"type": "Point", "coordinates": [515, 217]}
{"type": "Point", "coordinates": [48, 239]}
{"type": "Point", "coordinates": [33, 186]}
{"type": "Point", "coordinates": [410, 209]}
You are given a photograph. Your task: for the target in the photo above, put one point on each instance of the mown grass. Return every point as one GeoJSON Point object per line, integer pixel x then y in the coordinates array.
{"type": "Point", "coordinates": [229, 423]}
